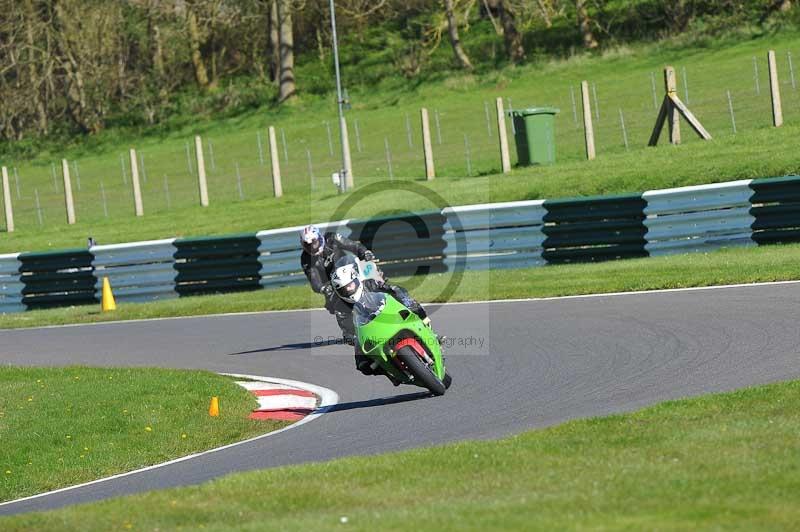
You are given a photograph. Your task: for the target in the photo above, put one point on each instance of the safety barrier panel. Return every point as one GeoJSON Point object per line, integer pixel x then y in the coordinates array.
{"type": "Point", "coordinates": [220, 264]}
{"type": "Point", "coordinates": [10, 284]}
{"type": "Point", "coordinates": [496, 235]}
{"type": "Point", "coordinates": [699, 218]}
{"type": "Point", "coordinates": [594, 229]}
{"type": "Point", "coordinates": [57, 278]}
{"type": "Point", "coordinates": [490, 236]}
{"type": "Point", "coordinates": [409, 244]}
{"type": "Point", "coordinates": [776, 208]}
{"type": "Point", "coordinates": [141, 271]}
{"type": "Point", "coordinates": [279, 256]}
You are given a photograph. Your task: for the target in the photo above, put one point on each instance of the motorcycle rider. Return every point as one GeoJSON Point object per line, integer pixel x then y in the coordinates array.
{"type": "Point", "coordinates": [320, 253]}
{"type": "Point", "coordinates": [349, 286]}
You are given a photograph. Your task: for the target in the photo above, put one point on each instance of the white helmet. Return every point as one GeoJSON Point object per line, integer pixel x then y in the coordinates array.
{"type": "Point", "coordinates": [346, 281]}
{"type": "Point", "coordinates": [312, 240]}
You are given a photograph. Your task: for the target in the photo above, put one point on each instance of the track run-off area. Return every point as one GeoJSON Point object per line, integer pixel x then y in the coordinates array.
{"type": "Point", "coordinates": [516, 365]}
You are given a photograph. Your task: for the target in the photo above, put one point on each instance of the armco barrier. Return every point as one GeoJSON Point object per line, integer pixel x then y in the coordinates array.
{"type": "Point", "coordinates": [496, 235]}
{"type": "Point", "coordinates": [408, 244]}
{"type": "Point", "coordinates": [278, 254]}
{"type": "Point", "coordinates": [594, 229]}
{"type": "Point", "coordinates": [776, 208]}
{"type": "Point", "coordinates": [57, 278]}
{"type": "Point", "coordinates": [220, 264]}
{"type": "Point", "coordinates": [141, 271]}
{"type": "Point", "coordinates": [700, 218]}
{"type": "Point", "coordinates": [500, 235]}
{"type": "Point", "coordinates": [10, 284]}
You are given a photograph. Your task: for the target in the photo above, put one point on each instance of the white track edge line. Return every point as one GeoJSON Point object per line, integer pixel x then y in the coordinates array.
{"type": "Point", "coordinates": [327, 397]}
{"type": "Point", "coordinates": [452, 303]}
{"type": "Point", "coordinates": [165, 318]}
{"type": "Point", "coordinates": [618, 294]}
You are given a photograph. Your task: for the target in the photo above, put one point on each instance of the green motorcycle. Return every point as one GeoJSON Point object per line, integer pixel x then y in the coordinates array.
{"type": "Point", "coordinates": [399, 342]}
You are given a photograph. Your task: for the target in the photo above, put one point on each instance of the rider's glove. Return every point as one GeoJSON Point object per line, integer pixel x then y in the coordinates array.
{"type": "Point", "coordinates": [327, 291]}
{"type": "Point", "coordinates": [369, 255]}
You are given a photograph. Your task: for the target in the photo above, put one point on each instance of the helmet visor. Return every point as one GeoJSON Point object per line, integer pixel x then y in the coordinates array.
{"type": "Point", "coordinates": [350, 288]}
{"type": "Point", "coordinates": [313, 245]}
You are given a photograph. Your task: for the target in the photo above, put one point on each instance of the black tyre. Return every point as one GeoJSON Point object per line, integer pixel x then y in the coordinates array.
{"type": "Point", "coordinates": [409, 358]}
{"type": "Point", "coordinates": [447, 381]}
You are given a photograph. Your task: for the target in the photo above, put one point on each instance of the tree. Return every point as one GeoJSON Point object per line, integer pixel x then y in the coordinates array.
{"type": "Point", "coordinates": [452, 26]}
{"type": "Point", "coordinates": [37, 88]}
{"type": "Point", "coordinates": [545, 9]}
{"type": "Point", "coordinates": [513, 38]}
{"type": "Point", "coordinates": [193, 32]}
{"type": "Point", "coordinates": [73, 66]}
{"type": "Point", "coordinates": [85, 45]}
{"type": "Point", "coordinates": [215, 31]}
{"type": "Point", "coordinates": [585, 25]}
{"type": "Point", "coordinates": [287, 87]}
{"type": "Point", "coordinates": [775, 6]}
{"type": "Point", "coordinates": [274, 42]}
{"type": "Point", "coordinates": [511, 35]}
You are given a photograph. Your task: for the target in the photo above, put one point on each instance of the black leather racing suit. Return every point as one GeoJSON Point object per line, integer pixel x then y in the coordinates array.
{"type": "Point", "coordinates": [318, 270]}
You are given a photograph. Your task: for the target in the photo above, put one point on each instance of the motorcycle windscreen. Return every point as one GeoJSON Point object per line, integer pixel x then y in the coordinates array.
{"type": "Point", "coordinates": [368, 307]}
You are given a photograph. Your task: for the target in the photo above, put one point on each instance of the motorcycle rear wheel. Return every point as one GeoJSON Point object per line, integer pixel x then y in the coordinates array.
{"type": "Point", "coordinates": [420, 370]}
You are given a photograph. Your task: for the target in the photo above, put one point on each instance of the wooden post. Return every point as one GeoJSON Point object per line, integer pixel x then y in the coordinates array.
{"type": "Point", "coordinates": [588, 129]}
{"type": "Point", "coordinates": [68, 192]}
{"type": "Point", "coordinates": [348, 164]}
{"type": "Point", "coordinates": [505, 158]}
{"type": "Point", "coordinates": [276, 165]}
{"type": "Point", "coordinates": [673, 116]}
{"type": "Point", "coordinates": [774, 90]}
{"type": "Point", "coordinates": [201, 170]}
{"type": "Point", "coordinates": [672, 108]}
{"type": "Point", "coordinates": [137, 189]}
{"type": "Point", "coordinates": [430, 171]}
{"type": "Point", "coordinates": [7, 202]}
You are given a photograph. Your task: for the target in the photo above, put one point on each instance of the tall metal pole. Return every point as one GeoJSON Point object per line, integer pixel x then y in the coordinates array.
{"type": "Point", "coordinates": [346, 180]}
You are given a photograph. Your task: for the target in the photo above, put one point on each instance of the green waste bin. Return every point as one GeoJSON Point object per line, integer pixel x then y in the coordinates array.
{"type": "Point", "coordinates": [534, 134]}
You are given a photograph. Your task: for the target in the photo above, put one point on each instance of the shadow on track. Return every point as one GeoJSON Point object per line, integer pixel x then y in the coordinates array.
{"type": "Point", "coordinates": [284, 347]}
{"type": "Point", "coordinates": [370, 403]}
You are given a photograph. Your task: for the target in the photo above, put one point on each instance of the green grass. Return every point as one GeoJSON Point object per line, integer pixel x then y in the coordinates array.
{"type": "Point", "coordinates": [622, 79]}
{"type": "Point", "coordinates": [64, 426]}
{"type": "Point", "coordinates": [727, 266]}
{"type": "Point", "coordinates": [726, 461]}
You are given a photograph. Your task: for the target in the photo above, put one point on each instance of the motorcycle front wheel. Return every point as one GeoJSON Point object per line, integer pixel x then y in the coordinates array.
{"type": "Point", "coordinates": [421, 372]}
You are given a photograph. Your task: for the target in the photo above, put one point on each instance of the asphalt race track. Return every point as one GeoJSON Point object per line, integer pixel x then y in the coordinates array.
{"type": "Point", "coordinates": [542, 362]}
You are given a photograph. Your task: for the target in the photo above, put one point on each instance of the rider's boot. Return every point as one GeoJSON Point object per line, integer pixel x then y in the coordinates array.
{"type": "Point", "coordinates": [348, 339]}
{"type": "Point", "coordinates": [370, 367]}
{"type": "Point", "coordinates": [364, 365]}
{"type": "Point", "coordinates": [391, 379]}
{"type": "Point", "coordinates": [376, 369]}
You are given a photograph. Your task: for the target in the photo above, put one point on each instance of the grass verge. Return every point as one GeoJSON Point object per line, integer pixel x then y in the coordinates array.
{"type": "Point", "coordinates": [727, 266]}
{"type": "Point", "coordinates": [139, 417]}
{"type": "Point", "coordinates": [764, 152]}
{"type": "Point", "coordinates": [720, 461]}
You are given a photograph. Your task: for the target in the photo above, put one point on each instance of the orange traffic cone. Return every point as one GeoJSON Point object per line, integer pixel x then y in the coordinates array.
{"type": "Point", "coordinates": [213, 409]}
{"type": "Point", "coordinates": [108, 302]}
